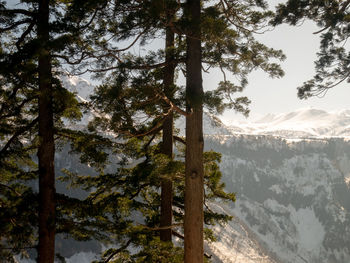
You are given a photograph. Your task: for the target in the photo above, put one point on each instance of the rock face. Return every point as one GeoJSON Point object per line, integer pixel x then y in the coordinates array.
{"type": "Point", "coordinates": [293, 195]}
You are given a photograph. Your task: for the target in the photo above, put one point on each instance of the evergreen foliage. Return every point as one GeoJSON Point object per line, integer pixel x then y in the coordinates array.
{"type": "Point", "coordinates": [30, 95]}
{"type": "Point", "coordinates": [332, 17]}
{"type": "Point", "coordinates": [133, 103]}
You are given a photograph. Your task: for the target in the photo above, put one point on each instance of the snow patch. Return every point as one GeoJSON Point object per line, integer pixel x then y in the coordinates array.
{"type": "Point", "coordinates": [310, 230]}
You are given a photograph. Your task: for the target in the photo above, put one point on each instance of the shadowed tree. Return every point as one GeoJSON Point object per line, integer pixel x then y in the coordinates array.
{"type": "Point", "coordinates": [35, 35]}
{"type": "Point", "coordinates": [140, 106]}
{"type": "Point", "coordinates": [228, 43]}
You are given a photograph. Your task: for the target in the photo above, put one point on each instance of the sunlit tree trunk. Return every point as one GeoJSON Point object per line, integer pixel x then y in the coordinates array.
{"type": "Point", "coordinates": [194, 139]}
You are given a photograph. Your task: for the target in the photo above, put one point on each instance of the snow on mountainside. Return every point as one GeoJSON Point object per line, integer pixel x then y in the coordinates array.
{"type": "Point", "coordinates": [301, 123]}
{"type": "Point", "coordinates": [291, 176]}
{"type": "Point", "coordinates": [298, 124]}
{"type": "Point", "coordinates": [293, 196]}
{"type": "Point", "coordinates": [83, 89]}
{"type": "Point", "coordinates": [80, 86]}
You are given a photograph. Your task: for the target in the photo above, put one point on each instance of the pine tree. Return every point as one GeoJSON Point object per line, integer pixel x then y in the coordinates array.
{"type": "Point", "coordinates": [32, 104]}
{"type": "Point", "coordinates": [143, 91]}
{"type": "Point", "coordinates": [332, 66]}
{"type": "Point", "coordinates": [238, 20]}
{"type": "Point", "coordinates": [194, 185]}
{"type": "Point", "coordinates": [166, 214]}
{"type": "Point", "coordinates": [46, 149]}
{"type": "Point", "coordinates": [145, 95]}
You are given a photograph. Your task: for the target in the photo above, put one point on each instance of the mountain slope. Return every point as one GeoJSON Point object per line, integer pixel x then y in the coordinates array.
{"type": "Point", "coordinates": [293, 196]}
{"type": "Point", "coordinates": [291, 175]}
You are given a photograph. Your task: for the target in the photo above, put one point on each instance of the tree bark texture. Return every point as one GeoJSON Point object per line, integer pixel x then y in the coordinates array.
{"type": "Point", "coordinates": [46, 150]}
{"type": "Point", "coordinates": [194, 187]}
{"type": "Point", "coordinates": [167, 147]}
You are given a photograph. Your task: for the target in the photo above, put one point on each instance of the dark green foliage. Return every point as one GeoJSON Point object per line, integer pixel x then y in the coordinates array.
{"type": "Point", "coordinates": [228, 43]}
{"type": "Point", "coordinates": [20, 48]}
{"type": "Point", "coordinates": [332, 17]}
{"type": "Point", "coordinates": [122, 207]}
{"type": "Point", "coordinates": [133, 97]}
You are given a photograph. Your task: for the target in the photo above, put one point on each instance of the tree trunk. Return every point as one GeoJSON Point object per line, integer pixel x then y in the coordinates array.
{"type": "Point", "coordinates": [46, 150]}
{"type": "Point", "coordinates": [167, 148]}
{"type": "Point", "coordinates": [194, 187]}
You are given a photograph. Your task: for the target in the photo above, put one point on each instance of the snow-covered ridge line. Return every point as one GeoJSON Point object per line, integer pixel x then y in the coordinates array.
{"type": "Point", "coordinates": [303, 123]}
{"type": "Point", "coordinates": [307, 123]}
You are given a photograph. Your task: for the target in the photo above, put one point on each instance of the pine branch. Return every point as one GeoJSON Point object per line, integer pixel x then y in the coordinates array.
{"type": "Point", "coordinates": [341, 10]}
{"type": "Point", "coordinates": [118, 251]}
{"type": "Point", "coordinates": [16, 12]}
{"type": "Point", "coordinates": [14, 25]}
{"type": "Point", "coordinates": [11, 188]}
{"type": "Point", "coordinates": [20, 248]}
{"type": "Point", "coordinates": [77, 61]}
{"type": "Point", "coordinates": [161, 227]}
{"type": "Point", "coordinates": [15, 110]}
{"type": "Point", "coordinates": [179, 139]}
{"type": "Point", "coordinates": [154, 130]}
{"type": "Point", "coordinates": [135, 67]}
{"type": "Point", "coordinates": [25, 33]}
{"type": "Point", "coordinates": [18, 133]}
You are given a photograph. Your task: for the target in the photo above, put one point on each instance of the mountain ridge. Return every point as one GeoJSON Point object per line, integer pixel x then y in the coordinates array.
{"type": "Point", "coordinates": [301, 123]}
{"type": "Point", "coordinates": [290, 173]}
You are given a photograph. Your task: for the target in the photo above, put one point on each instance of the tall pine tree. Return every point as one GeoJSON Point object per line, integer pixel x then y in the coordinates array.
{"type": "Point", "coordinates": [194, 175]}
{"type": "Point", "coordinates": [35, 34]}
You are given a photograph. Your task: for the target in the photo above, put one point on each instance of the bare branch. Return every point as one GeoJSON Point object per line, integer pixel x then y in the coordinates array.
{"type": "Point", "coordinates": [118, 251]}
{"type": "Point", "coordinates": [177, 234]}
{"type": "Point", "coordinates": [16, 24]}
{"type": "Point", "coordinates": [173, 106]}
{"type": "Point", "coordinates": [179, 139]}
{"type": "Point", "coordinates": [17, 11]}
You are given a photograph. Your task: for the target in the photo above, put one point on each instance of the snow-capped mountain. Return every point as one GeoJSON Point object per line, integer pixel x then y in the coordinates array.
{"type": "Point", "coordinates": [299, 124]}
{"type": "Point", "coordinates": [81, 87]}
{"type": "Point", "coordinates": [291, 176]}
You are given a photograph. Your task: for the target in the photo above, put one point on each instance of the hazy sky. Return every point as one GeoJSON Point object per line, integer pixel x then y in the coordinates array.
{"type": "Point", "coordinates": [276, 96]}
{"type": "Point", "coordinates": [280, 95]}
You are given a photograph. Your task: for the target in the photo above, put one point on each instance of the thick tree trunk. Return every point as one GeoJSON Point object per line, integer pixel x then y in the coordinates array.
{"type": "Point", "coordinates": [167, 148]}
{"type": "Point", "coordinates": [46, 150]}
{"type": "Point", "coordinates": [194, 188]}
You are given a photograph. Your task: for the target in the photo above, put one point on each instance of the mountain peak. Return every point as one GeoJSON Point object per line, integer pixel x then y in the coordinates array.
{"type": "Point", "coordinates": [78, 85]}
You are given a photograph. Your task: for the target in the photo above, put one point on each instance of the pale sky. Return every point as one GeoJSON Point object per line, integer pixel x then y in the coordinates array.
{"type": "Point", "coordinates": [275, 96]}
{"type": "Point", "coordinates": [280, 95]}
